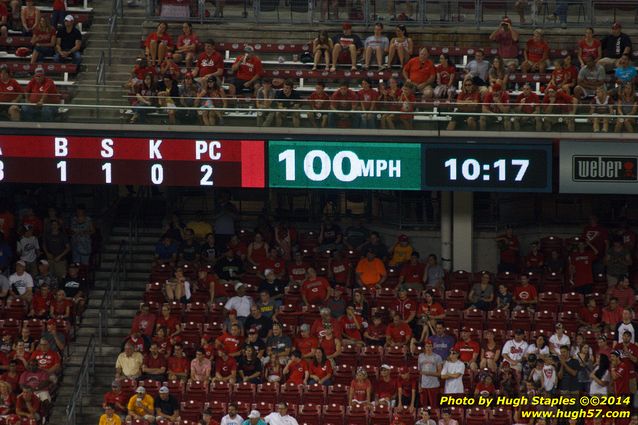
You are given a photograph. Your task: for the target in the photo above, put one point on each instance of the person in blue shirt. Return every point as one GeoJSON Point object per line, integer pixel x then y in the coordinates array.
{"type": "Point", "coordinates": [625, 72]}
{"type": "Point", "coordinates": [254, 418]}
{"type": "Point", "coordinates": [441, 342]}
{"type": "Point", "coordinates": [166, 251]}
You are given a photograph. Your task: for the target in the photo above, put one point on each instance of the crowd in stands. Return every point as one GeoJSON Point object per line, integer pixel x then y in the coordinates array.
{"type": "Point", "coordinates": [44, 279]}
{"type": "Point", "coordinates": [597, 77]}
{"type": "Point", "coordinates": [335, 324]}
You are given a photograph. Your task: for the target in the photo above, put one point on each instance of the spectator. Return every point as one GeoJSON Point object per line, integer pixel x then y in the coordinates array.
{"type": "Point", "coordinates": [368, 98]}
{"type": "Point", "coordinates": [420, 71]}
{"type": "Point", "coordinates": [315, 290]}
{"type": "Point", "coordinates": [404, 307]}
{"type": "Point", "coordinates": [141, 406]}
{"type": "Point", "coordinates": [247, 71]}
{"type": "Point", "coordinates": [254, 418]}
{"type": "Point", "coordinates": [601, 105]}
{"type": "Point", "coordinates": [21, 282]}
{"type": "Point", "coordinates": [157, 45]}
{"type": "Point", "coordinates": [211, 97]}
{"type": "Point", "coordinates": [398, 333]}
{"type": "Point", "coordinates": [168, 97]}
{"type": "Point", "coordinates": [401, 47]}
{"type": "Point", "coordinates": [558, 340]}
{"type": "Point", "coordinates": [264, 100]}
{"type": "Point", "coordinates": [496, 102]}
{"type": "Point", "coordinates": [498, 74]}
{"type": "Point", "coordinates": [614, 46]}
{"type": "Point", "coordinates": [424, 418]}
{"type": "Point", "coordinates": [144, 99]}
{"type": "Point", "coordinates": [600, 377]}
{"type": "Point", "coordinates": [42, 299]}
{"type": "Point", "coordinates": [452, 373]}
{"type": "Point", "coordinates": [536, 54]}
{"type": "Point", "coordinates": [210, 63]}
{"type": "Point", "coordinates": [482, 294]}
{"type": "Point", "coordinates": [477, 70]}
{"type": "Point", "coordinates": [28, 405]}
{"type": "Point", "coordinates": [188, 91]}
{"type": "Point", "coordinates": [405, 104]}
{"type": "Point", "coordinates": [279, 345]}
{"type": "Point", "coordinates": [225, 368]}
{"type": "Point", "coordinates": [626, 105]}
{"type": "Point", "coordinates": [281, 416]}
{"type": "Point", "coordinates": [40, 93]}
{"type": "Point", "coordinates": [240, 302]}
{"type": "Point", "coordinates": [527, 103]}
{"type": "Point", "coordinates": [56, 247]}
{"type": "Point", "coordinates": [558, 103]}
{"type": "Point", "coordinates": [589, 46]}
{"type": "Point", "coordinates": [377, 44]}
{"type": "Point", "coordinates": [468, 350]}
{"type": "Point", "coordinates": [445, 78]}
{"type": "Point", "coordinates": [296, 369]}
{"type": "Point", "coordinates": [28, 248]}
{"type": "Point", "coordinates": [627, 324]}
{"type": "Point", "coordinates": [568, 373]}
{"type": "Point", "coordinates": [360, 391]}
{"type": "Point", "coordinates": [319, 100]}
{"type": "Point", "coordinates": [341, 101]}
{"type": "Point", "coordinates": [109, 417]}
{"type": "Point", "coordinates": [413, 273]}
{"type": "Point", "coordinates": [10, 92]}
{"type": "Point", "coordinates": [166, 406]}
{"type": "Point", "coordinates": [466, 102]}
{"type": "Point", "coordinates": [562, 7]}
{"type": "Point", "coordinates": [590, 77]}
{"type": "Point", "coordinates": [507, 38]}
{"type": "Point", "coordinates": [29, 16]}
{"type": "Point", "coordinates": [322, 47]}
{"type": "Point", "coordinates": [514, 350]}
{"type": "Point", "coordinates": [509, 248]}
{"type": "Point", "coordinates": [490, 352]}
{"type": "Point", "coordinates": [129, 364]}
{"type": "Point", "coordinates": [564, 78]}
{"type": "Point", "coordinates": [55, 339]}
{"type": "Point", "coordinates": [288, 99]}
{"type": "Point", "coordinates": [346, 41]}
{"type": "Point", "coordinates": [628, 350]}
{"type": "Point", "coordinates": [4, 20]}
{"type": "Point", "coordinates": [534, 260]}
{"type": "Point", "coordinates": [430, 365]}
{"type": "Point", "coordinates": [250, 366]}
{"type": "Point", "coordinates": [186, 45]}
{"type": "Point", "coordinates": [324, 322]}
{"type": "Point", "coordinates": [580, 267]}
{"type": "Point", "coordinates": [68, 42]}
{"type": "Point", "coordinates": [525, 295]}
{"type": "Point", "coordinates": [371, 271]}
{"type": "Point", "coordinates": [43, 41]}
{"type": "Point", "coordinates": [625, 72]}
{"type": "Point", "coordinates": [154, 366]}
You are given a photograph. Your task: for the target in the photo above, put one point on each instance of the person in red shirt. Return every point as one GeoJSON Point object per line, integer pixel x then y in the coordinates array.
{"type": "Point", "coordinates": [144, 321]}
{"type": "Point", "coordinates": [210, 62]}
{"type": "Point", "coordinates": [48, 359]}
{"type": "Point", "coordinates": [598, 236]}
{"type": "Point", "coordinates": [178, 363]}
{"type": "Point", "coordinates": [168, 321]}
{"type": "Point", "coordinates": [496, 102]}
{"type": "Point", "coordinates": [534, 260]}
{"type": "Point", "coordinates": [407, 387]}
{"type": "Point", "coordinates": [274, 262]}
{"type": "Point", "coordinates": [305, 343]}
{"type": "Point", "coordinates": [315, 290]}
{"type": "Point", "coordinates": [360, 388]}
{"type": "Point", "coordinates": [429, 313]}
{"type": "Point", "coordinates": [319, 100]}
{"type": "Point", "coordinates": [445, 77]}
{"type": "Point", "coordinates": [536, 54]}
{"type": "Point", "coordinates": [612, 314]}
{"type": "Point", "coordinates": [41, 303]}
{"type": "Point", "coordinates": [559, 103]}
{"type": "Point", "coordinates": [468, 350]}
{"type": "Point", "coordinates": [580, 261]}
{"type": "Point", "coordinates": [28, 405]}
{"type": "Point", "coordinates": [406, 308]}
{"type": "Point", "coordinates": [43, 40]}
{"type": "Point", "coordinates": [116, 398]}
{"type": "Point", "coordinates": [620, 374]}
{"type": "Point", "coordinates": [525, 294]}
{"type": "Point", "coordinates": [4, 18]}
{"type": "Point", "coordinates": [324, 321]}
{"type": "Point", "coordinates": [320, 369]}
{"type": "Point", "coordinates": [186, 45]}
{"type": "Point", "coordinates": [230, 343]}
{"type": "Point", "coordinates": [527, 102]}
{"type": "Point", "coordinates": [405, 104]}
{"type": "Point", "coordinates": [467, 101]}
{"type": "Point", "coordinates": [627, 349]}
{"type": "Point", "coordinates": [339, 270]}
{"type": "Point", "coordinates": [154, 366]}
{"type": "Point", "coordinates": [225, 368]}
{"type": "Point", "coordinates": [420, 71]}
{"type": "Point", "coordinates": [39, 92]}
{"type": "Point", "coordinates": [386, 388]}
{"type": "Point", "coordinates": [158, 44]}
{"type": "Point", "coordinates": [297, 269]}
{"type": "Point", "coordinates": [296, 369]}
{"type": "Point", "coordinates": [398, 332]}
{"type": "Point", "coordinates": [376, 331]}
{"type": "Point", "coordinates": [562, 76]}
{"type": "Point", "coordinates": [352, 325]}
{"type": "Point", "coordinates": [343, 99]}
{"type": "Point", "coordinates": [590, 315]}
{"type": "Point", "coordinates": [509, 247]}
{"type": "Point", "coordinates": [59, 13]}
{"type": "Point", "coordinates": [368, 101]}
{"type": "Point", "coordinates": [589, 46]}
{"type": "Point", "coordinates": [247, 71]}
{"type": "Point", "coordinates": [413, 273]}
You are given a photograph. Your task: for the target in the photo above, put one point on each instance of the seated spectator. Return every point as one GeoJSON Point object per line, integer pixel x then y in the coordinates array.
{"type": "Point", "coordinates": [168, 97]}
{"type": "Point", "coordinates": [477, 70]}
{"type": "Point", "coordinates": [249, 367]}
{"type": "Point", "coordinates": [527, 103]}
{"type": "Point", "coordinates": [589, 46]}
{"type": "Point", "coordinates": [296, 369]}
{"type": "Point", "coordinates": [330, 343]}
{"type": "Point", "coordinates": [401, 47]}
{"type": "Point", "coordinates": [558, 103]}
{"type": "Point", "coordinates": [10, 92]}
{"type": "Point", "coordinates": [405, 104]}
{"type": "Point", "coordinates": [43, 41]}
{"type": "Point", "coordinates": [466, 102]}
{"type": "Point", "coordinates": [281, 416]}
{"type": "Point", "coordinates": [40, 92]}
{"type": "Point", "coordinates": [200, 367]}
{"type": "Point", "coordinates": [141, 406]}
{"type": "Point", "coordinates": [445, 78]}
{"type": "Point", "coordinates": [186, 47]}
{"type": "Point", "coordinates": [247, 70]}
{"type": "Point", "coordinates": [346, 41]}
{"type": "Point", "coordinates": [154, 366]}
{"type": "Point", "coordinates": [56, 339]}
{"type": "Point", "coordinates": [507, 38]}
{"type": "Point", "coordinates": [230, 342]}
{"type": "Point", "coordinates": [468, 350]}
{"type": "Point", "coordinates": [322, 47]}
{"type": "Point", "coordinates": [259, 322]}
{"type": "Point", "coordinates": [157, 45]}
{"type": "Point", "coordinates": [188, 91]}
{"type": "Point", "coordinates": [229, 267]}
{"type": "Point", "coordinates": [525, 295]}
{"type": "Point", "coordinates": [370, 271]}
{"type": "Point", "coordinates": [68, 42]}
{"type": "Point", "coordinates": [481, 295]}
{"type": "Point", "coordinates": [342, 100]}
{"type": "Point", "coordinates": [288, 98]}
{"type": "Point", "coordinates": [403, 306]}
{"type": "Point", "coordinates": [319, 100]}
{"type": "Point", "coordinates": [264, 100]}
{"type": "Point", "coordinates": [562, 78]}
{"type": "Point", "coordinates": [48, 359]}
{"type": "Point", "coordinates": [324, 322]}
{"type": "Point", "coordinates": [627, 104]}
{"type": "Point", "coordinates": [401, 251]}
{"type": "Point", "coordinates": [315, 290]}
{"type": "Point", "coordinates": [627, 324]}
{"type": "Point", "coordinates": [21, 282]}
{"type": "Point", "coordinates": [420, 71]}
{"type": "Point", "coordinates": [612, 313]}
{"type": "Point", "coordinates": [170, 68]}
{"type": "Point", "coordinates": [490, 352]}
{"type": "Point", "coordinates": [389, 101]}
{"type": "Point", "coordinates": [625, 72]}
{"type": "Point", "coordinates": [110, 417]}
{"type": "Point", "coordinates": [377, 44]}
{"type": "Point", "coordinates": [590, 77]}
{"type": "Point", "coordinates": [297, 268]}
{"type": "Point", "coordinates": [536, 54]}
{"type": "Point", "coordinates": [210, 63]}
{"type": "Point", "coordinates": [496, 102]}
{"type": "Point", "coordinates": [129, 364]}
{"type": "Point", "coordinates": [225, 368]}
{"type": "Point", "coordinates": [29, 17]}
{"type": "Point", "coordinates": [144, 99]}
{"type": "Point", "coordinates": [614, 46]}
{"type": "Point", "coordinates": [601, 105]}
{"type": "Point", "coordinates": [558, 339]}
{"type": "Point", "coordinates": [210, 97]}
{"type": "Point", "coordinates": [514, 350]}
{"type": "Point", "coordinates": [398, 333]}
{"type": "Point", "coordinates": [4, 20]}
{"type": "Point", "coordinates": [28, 405]}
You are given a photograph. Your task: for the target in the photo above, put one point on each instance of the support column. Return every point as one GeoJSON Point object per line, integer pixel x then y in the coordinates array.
{"type": "Point", "coordinates": [462, 223]}
{"type": "Point", "coordinates": [446, 230]}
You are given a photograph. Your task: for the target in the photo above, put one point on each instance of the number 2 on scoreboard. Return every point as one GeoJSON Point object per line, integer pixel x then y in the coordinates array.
{"type": "Point", "coordinates": [207, 175]}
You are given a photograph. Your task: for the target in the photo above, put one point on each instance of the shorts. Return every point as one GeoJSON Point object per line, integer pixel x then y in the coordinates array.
{"type": "Point", "coordinates": [239, 85]}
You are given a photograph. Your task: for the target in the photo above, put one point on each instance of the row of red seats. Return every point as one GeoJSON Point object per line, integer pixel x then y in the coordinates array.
{"type": "Point", "coordinates": [36, 327]}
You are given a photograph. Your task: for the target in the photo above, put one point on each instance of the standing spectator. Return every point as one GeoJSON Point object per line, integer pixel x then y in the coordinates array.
{"type": "Point", "coordinates": [56, 247]}
{"type": "Point", "coordinates": [536, 54]}
{"type": "Point", "coordinates": [68, 42]}
{"type": "Point", "coordinates": [445, 78]}
{"type": "Point", "coordinates": [466, 102]}
{"type": "Point", "coordinates": [289, 100]}
{"type": "Point", "coordinates": [377, 44]}
{"type": "Point", "coordinates": [468, 349]}
{"type": "Point", "coordinates": [507, 38]}
{"type": "Point", "coordinates": [141, 406]}
{"type": "Point", "coordinates": [82, 230]}
{"type": "Point", "coordinates": [452, 373]}
{"type": "Point", "coordinates": [240, 302]}
{"type": "Point", "coordinates": [264, 100]}
{"type": "Point", "coordinates": [10, 92]}
{"type": "Point", "coordinates": [368, 102]}
{"type": "Point", "coordinates": [21, 282]}
{"type": "Point", "coordinates": [429, 366]}
{"type": "Point", "coordinates": [601, 105]}
{"type": "Point", "coordinates": [43, 41]}
{"type": "Point", "coordinates": [589, 46]}
{"type": "Point", "coordinates": [319, 100]}
{"type": "Point", "coordinates": [28, 248]}
{"type": "Point", "coordinates": [559, 339]}
{"type": "Point", "coordinates": [346, 41]}
{"type": "Point", "coordinates": [614, 46]}
{"type": "Point", "coordinates": [129, 364]}
{"type": "Point", "coordinates": [527, 103]}
{"type": "Point", "coordinates": [496, 102]}
{"type": "Point", "coordinates": [420, 71]}
{"type": "Point", "coordinates": [40, 92]}
{"type": "Point", "coordinates": [29, 16]}
{"type": "Point", "coordinates": [558, 103]}
{"type": "Point", "coordinates": [247, 71]}
{"type": "Point", "coordinates": [627, 104]}
{"type": "Point", "coordinates": [342, 100]}
{"type": "Point", "coordinates": [401, 47]}
{"type": "Point", "coordinates": [581, 262]}
{"type": "Point", "coordinates": [322, 46]}
{"type": "Point", "coordinates": [59, 13]}
{"type": "Point", "coordinates": [209, 63]}
{"type": "Point", "coordinates": [477, 70]}
{"type": "Point", "coordinates": [509, 248]}
{"type": "Point", "coordinates": [211, 97]}
{"type": "Point", "coordinates": [157, 44]}
{"type": "Point", "coordinates": [186, 45]}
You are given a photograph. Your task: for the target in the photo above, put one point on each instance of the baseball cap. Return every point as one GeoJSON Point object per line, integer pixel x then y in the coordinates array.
{"type": "Point", "coordinates": [140, 389]}
{"type": "Point", "coordinates": [386, 366]}
{"type": "Point", "coordinates": [346, 26]}
{"type": "Point", "coordinates": [496, 87]}
{"type": "Point", "coordinates": [252, 331]}
{"type": "Point", "coordinates": [616, 26]}
{"type": "Point", "coordinates": [506, 20]}
{"type": "Point", "coordinates": [238, 285]}
{"type": "Point", "coordinates": [21, 263]}
{"type": "Point", "coordinates": [403, 238]}
{"type": "Point", "coordinates": [44, 262]}
{"type": "Point", "coordinates": [232, 311]}
{"type": "Point", "coordinates": [163, 390]}
{"type": "Point", "coordinates": [254, 414]}
{"type": "Point", "coordinates": [304, 328]}
{"type": "Point", "coordinates": [603, 337]}
{"type": "Point", "coordinates": [249, 49]}
{"type": "Point", "coordinates": [69, 18]}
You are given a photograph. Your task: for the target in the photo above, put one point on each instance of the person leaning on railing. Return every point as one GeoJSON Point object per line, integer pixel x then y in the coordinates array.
{"type": "Point", "coordinates": [368, 102]}
{"type": "Point", "coordinates": [319, 100]}
{"type": "Point", "coordinates": [558, 103]}
{"type": "Point", "coordinates": [467, 101]}
{"type": "Point", "coordinates": [10, 92]}
{"type": "Point", "coordinates": [343, 99]}
{"type": "Point", "coordinates": [495, 102]}
{"type": "Point", "coordinates": [527, 102]}
{"type": "Point", "coordinates": [145, 96]}
{"type": "Point", "coordinates": [287, 98]}
{"type": "Point", "coordinates": [626, 105]}
{"type": "Point", "coordinates": [264, 100]}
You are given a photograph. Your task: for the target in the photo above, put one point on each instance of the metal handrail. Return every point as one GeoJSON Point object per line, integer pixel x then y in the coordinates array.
{"type": "Point", "coordinates": [111, 36]}
{"type": "Point", "coordinates": [82, 383]}
{"type": "Point", "coordinates": [106, 306]}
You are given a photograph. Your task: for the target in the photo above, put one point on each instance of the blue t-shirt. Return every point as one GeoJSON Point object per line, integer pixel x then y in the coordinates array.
{"type": "Point", "coordinates": [441, 345]}
{"type": "Point", "coordinates": [164, 252]}
{"type": "Point", "coordinates": [626, 75]}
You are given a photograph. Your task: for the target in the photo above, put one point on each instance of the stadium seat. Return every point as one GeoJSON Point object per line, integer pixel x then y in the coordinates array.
{"type": "Point", "coordinates": [154, 292]}
{"type": "Point", "coordinates": [455, 298]}
{"type": "Point", "coordinates": [395, 355]}
{"type": "Point", "coordinates": [337, 394]}
{"type": "Point", "coordinates": [16, 309]}
{"type": "Point", "coordinates": [309, 414]}
{"type": "Point", "coordinates": [175, 388]}
{"type": "Point", "coordinates": [243, 409]}
{"type": "Point", "coordinates": [521, 319]}
{"type": "Point", "coordinates": [349, 355]}
{"type": "Point", "coordinates": [497, 319]}
{"type": "Point", "coordinates": [128, 387]}
{"type": "Point", "coordinates": [476, 416]}
{"type": "Point", "coordinates": [218, 409]}
{"type": "Point", "coordinates": [572, 301]}
{"type": "Point", "coordinates": [552, 282]}
{"type": "Point", "coordinates": [545, 320]}
{"type": "Point", "coordinates": [132, 422]}
{"type": "Point", "coordinates": [459, 279]}
{"type": "Point", "coordinates": [191, 410]}
{"type": "Point", "coordinates": [342, 374]}
{"type": "Point", "coordinates": [290, 394]}
{"type": "Point", "coordinates": [453, 317]}
{"type": "Point", "coordinates": [268, 392]}
{"type": "Point", "coordinates": [549, 301]}
{"type": "Point", "coordinates": [197, 390]}
{"type": "Point", "coordinates": [569, 319]}
{"type": "Point", "coordinates": [371, 356]}
{"type": "Point", "coordinates": [474, 318]}
{"type": "Point", "coordinates": [401, 414]}
{"type": "Point", "coordinates": [191, 333]}
{"type": "Point", "coordinates": [551, 243]}
{"type": "Point", "coordinates": [196, 312]}
{"type": "Point", "coordinates": [243, 392]}
{"type": "Point", "coordinates": [36, 327]}
{"type": "Point", "coordinates": [216, 313]}
{"type": "Point", "coordinates": [333, 413]}
{"type": "Point", "coordinates": [263, 406]}
{"type": "Point", "coordinates": [357, 414]}
{"type": "Point", "coordinates": [506, 278]}
{"type": "Point", "coordinates": [385, 297]}
{"type": "Point", "coordinates": [152, 387]}
{"type": "Point", "coordinates": [219, 391]}
{"type": "Point", "coordinates": [380, 414]}
{"type": "Point", "coordinates": [313, 394]}
{"type": "Point", "coordinates": [500, 416]}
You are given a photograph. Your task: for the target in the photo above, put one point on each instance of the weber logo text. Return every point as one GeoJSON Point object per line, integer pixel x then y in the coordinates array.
{"type": "Point", "coordinates": [605, 168]}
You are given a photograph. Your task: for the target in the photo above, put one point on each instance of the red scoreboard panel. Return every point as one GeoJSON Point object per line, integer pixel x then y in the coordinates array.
{"type": "Point", "coordinates": [132, 160]}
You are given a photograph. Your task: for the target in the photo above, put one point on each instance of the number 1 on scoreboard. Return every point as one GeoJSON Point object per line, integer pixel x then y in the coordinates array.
{"type": "Point", "coordinates": [61, 165]}
{"type": "Point", "coordinates": [106, 167]}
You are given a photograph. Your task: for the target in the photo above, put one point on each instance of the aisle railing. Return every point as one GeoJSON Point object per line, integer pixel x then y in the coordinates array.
{"type": "Point", "coordinates": [82, 383]}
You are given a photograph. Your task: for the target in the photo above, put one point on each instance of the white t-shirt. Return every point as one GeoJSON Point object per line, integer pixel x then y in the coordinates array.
{"type": "Point", "coordinates": [515, 350]}
{"type": "Point", "coordinates": [622, 328]}
{"type": "Point", "coordinates": [555, 342]}
{"type": "Point", "coordinates": [533, 349]}
{"type": "Point", "coordinates": [453, 385]}
{"type": "Point", "coordinates": [240, 304]}
{"type": "Point", "coordinates": [227, 420]}
{"type": "Point", "coordinates": [595, 388]}
{"type": "Point", "coordinates": [22, 282]}
{"type": "Point", "coordinates": [275, 418]}
{"type": "Point", "coordinates": [28, 249]}
{"type": "Point", "coordinates": [550, 379]}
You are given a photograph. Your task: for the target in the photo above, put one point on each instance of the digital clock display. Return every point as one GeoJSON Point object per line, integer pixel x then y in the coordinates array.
{"type": "Point", "coordinates": [488, 167]}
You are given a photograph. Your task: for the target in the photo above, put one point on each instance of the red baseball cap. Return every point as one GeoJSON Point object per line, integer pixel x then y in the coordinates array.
{"type": "Point", "coordinates": [346, 26]}
{"type": "Point", "coordinates": [404, 369]}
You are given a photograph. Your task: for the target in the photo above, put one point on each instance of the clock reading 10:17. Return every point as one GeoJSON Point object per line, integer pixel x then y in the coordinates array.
{"type": "Point", "coordinates": [488, 167]}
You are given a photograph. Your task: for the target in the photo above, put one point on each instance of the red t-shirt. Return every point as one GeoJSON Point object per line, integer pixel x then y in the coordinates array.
{"type": "Point", "coordinates": [306, 345]}
{"type": "Point", "coordinates": [320, 370]}
{"type": "Point", "coordinates": [296, 372]}
{"type": "Point", "coordinates": [562, 103]}
{"type": "Point", "coordinates": [3, 10]}
{"type": "Point", "coordinates": [536, 49]}
{"type": "Point", "coordinates": [12, 380]}
{"type": "Point", "coordinates": [419, 72]}
{"type": "Point", "coordinates": [621, 383]}
{"type": "Point", "coordinates": [631, 348]}
{"type": "Point", "coordinates": [171, 323]}
{"type": "Point", "coordinates": [492, 99]}
{"type": "Point", "coordinates": [318, 329]}
{"type": "Point", "coordinates": [386, 389]}
{"type": "Point", "coordinates": [43, 36]}
{"type": "Point", "coordinates": [587, 50]}
{"type": "Point", "coordinates": [445, 73]}
{"type": "Point", "coordinates": [231, 344]}
{"type": "Point", "coordinates": [165, 38]}
{"type": "Point", "coordinates": [405, 307]}
{"type": "Point", "coordinates": [597, 236]}
{"type": "Point", "coordinates": [591, 317]}
{"type": "Point", "coordinates": [528, 103]}
{"type": "Point", "coordinates": [406, 385]}
{"type": "Point", "coordinates": [315, 291]}
{"type": "Point", "coordinates": [21, 403]}
{"type": "Point", "coordinates": [46, 359]}
{"type": "Point", "coordinates": [329, 346]}
{"type": "Point", "coordinates": [344, 101]}
{"type": "Point", "coordinates": [187, 40]}
{"type": "Point", "coordinates": [534, 260]}
{"type": "Point", "coordinates": [112, 398]}
{"type": "Point", "coordinates": [350, 326]}
{"type": "Point", "coordinates": [297, 272]}
{"type": "Point", "coordinates": [467, 350]}
{"type": "Point", "coordinates": [319, 100]}
{"type": "Point", "coordinates": [209, 64]}
{"type": "Point", "coordinates": [36, 90]}
{"type": "Point", "coordinates": [225, 368]}
{"type": "Point", "coordinates": [400, 333]}
{"type": "Point", "coordinates": [178, 365]}
{"type": "Point", "coordinates": [525, 293]}
{"type": "Point", "coordinates": [367, 97]}
{"type": "Point", "coordinates": [340, 271]}
{"type": "Point", "coordinates": [59, 5]}
{"type": "Point", "coordinates": [41, 303]}
{"type": "Point", "coordinates": [360, 389]}
{"type": "Point", "coordinates": [60, 306]}
{"type": "Point", "coordinates": [561, 76]}
{"type": "Point", "coordinates": [250, 69]}
{"type": "Point", "coordinates": [582, 262]}
{"type": "Point", "coordinates": [154, 362]}
{"type": "Point", "coordinates": [434, 309]}
{"type": "Point", "coordinates": [143, 71]}
{"type": "Point", "coordinates": [278, 265]}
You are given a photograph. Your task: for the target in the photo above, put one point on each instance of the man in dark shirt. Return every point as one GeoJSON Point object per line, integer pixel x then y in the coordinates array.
{"type": "Point", "coordinates": [166, 406]}
{"type": "Point", "coordinates": [56, 247]}
{"type": "Point", "coordinates": [259, 322]}
{"type": "Point", "coordinates": [229, 267]}
{"type": "Point", "coordinates": [287, 98]}
{"type": "Point", "coordinates": [44, 276]}
{"type": "Point", "coordinates": [614, 46]}
{"type": "Point", "coordinates": [189, 249]}
{"type": "Point", "coordinates": [376, 246]}
{"type": "Point", "coordinates": [346, 41]}
{"type": "Point", "coordinates": [74, 287]}
{"type": "Point", "coordinates": [568, 373]}
{"type": "Point", "coordinates": [69, 42]}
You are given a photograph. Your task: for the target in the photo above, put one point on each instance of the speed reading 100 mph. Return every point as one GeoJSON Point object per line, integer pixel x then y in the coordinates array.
{"type": "Point", "coordinates": [471, 169]}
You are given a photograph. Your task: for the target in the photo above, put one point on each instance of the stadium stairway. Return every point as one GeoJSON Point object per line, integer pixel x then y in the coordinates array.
{"type": "Point", "coordinates": [125, 306]}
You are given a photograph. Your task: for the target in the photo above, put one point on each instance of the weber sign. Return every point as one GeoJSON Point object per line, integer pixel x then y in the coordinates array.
{"type": "Point", "coordinates": [604, 168]}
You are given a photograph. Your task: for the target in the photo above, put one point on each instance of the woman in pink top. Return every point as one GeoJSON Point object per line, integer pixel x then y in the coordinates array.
{"type": "Point", "coordinates": [200, 367]}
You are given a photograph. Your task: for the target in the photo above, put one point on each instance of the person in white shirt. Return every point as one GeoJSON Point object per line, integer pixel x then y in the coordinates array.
{"type": "Point", "coordinates": [452, 374]}
{"type": "Point", "coordinates": [600, 377]}
{"type": "Point", "coordinates": [281, 416]}
{"type": "Point", "coordinates": [232, 418]}
{"type": "Point", "coordinates": [21, 282]}
{"type": "Point", "coordinates": [549, 378]}
{"type": "Point", "coordinates": [514, 349]}
{"type": "Point", "coordinates": [559, 339]}
{"type": "Point", "coordinates": [240, 302]}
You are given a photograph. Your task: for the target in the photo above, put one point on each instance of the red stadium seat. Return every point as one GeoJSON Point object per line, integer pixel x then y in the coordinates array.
{"type": "Point", "coordinates": [521, 319]}
{"type": "Point", "coordinates": [545, 320]}
{"type": "Point", "coordinates": [371, 356]}
{"type": "Point", "coordinates": [500, 416]}
{"type": "Point", "coordinates": [243, 409]}
{"type": "Point", "coordinates": [128, 387]}
{"type": "Point", "coordinates": [133, 422]}
{"type": "Point", "coordinates": [175, 388]}
{"type": "Point", "coordinates": [219, 391]}
{"type": "Point", "coordinates": [262, 406]}
{"type": "Point", "coordinates": [459, 279]}
{"type": "Point", "coordinates": [569, 319]}
{"type": "Point", "coordinates": [191, 333]}
{"type": "Point", "coordinates": [313, 394]}
{"type": "Point", "coordinates": [551, 243]}
{"type": "Point", "coordinates": [549, 301]}
{"type": "Point", "coordinates": [342, 374]}
{"type": "Point", "coordinates": [36, 328]}
{"type": "Point", "coordinates": [508, 279]}
{"type": "Point", "coordinates": [572, 301]}
{"type": "Point", "coordinates": [152, 387]}
{"type": "Point", "coordinates": [401, 414]}
{"type": "Point", "coordinates": [217, 311]}
{"type": "Point", "coordinates": [333, 413]}
{"type": "Point", "coordinates": [476, 416]}
{"type": "Point", "coordinates": [154, 292]}
{"type": "Point", "coordinates": [552, 282]}
{"type": "Point", "coordinates": [385, 297]}
{"type": "Point", "coordinates": [16, 309]}
{"type": "Point", "coordinates": [244, 392]}
{"type": "Point", "coordinates": [290, 394]}
{"type": "Point", "coordinates": [196, 312]}
{"type": "Point", "coordinates": [309, 414]}
{"type": "Point", "coordinates": [197, 390]}
{"type": "Point", "coordinates": [268, 392]}
{"type": "Point", "coordinates": [191, 410]}
{"type": "Point", "coordinates": [455, 298]}
{"type": "Point", "coordinates": [349, 355]}
{"type": "Point", "coordinates": [218, 409]}
{"type": "Point", "coordinates": [474, 318]}
{"type": "Point", "coordinates": [214, 329]}
{"type": "Point", "coordinates": [497, 319]}
{"type": "Point", "coordinates": [453, 318]}
{"type": "Point", "coordinates": [337, 394]}
{"type": "Point", "coordinates": [380, 414]}
{"type": "Point", "coordinates": [395, 355]}
{"type": "Point", "coordinates": [357, 414]}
